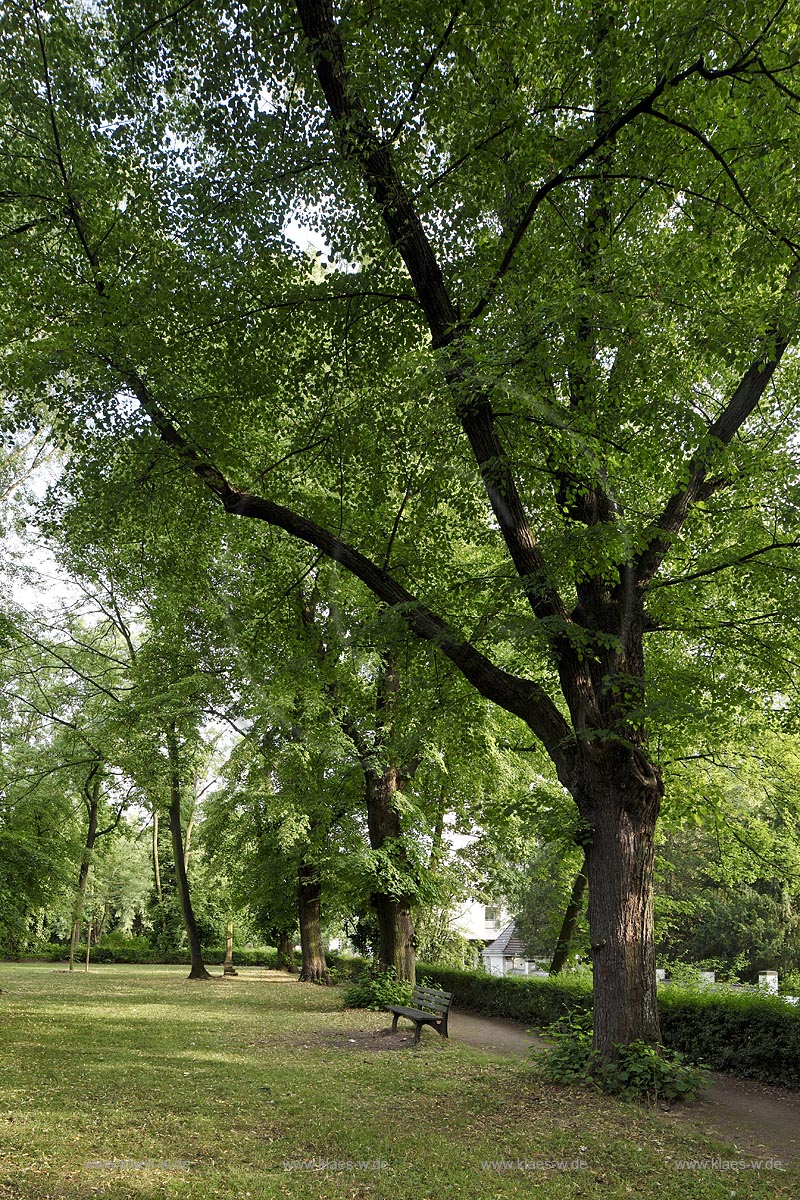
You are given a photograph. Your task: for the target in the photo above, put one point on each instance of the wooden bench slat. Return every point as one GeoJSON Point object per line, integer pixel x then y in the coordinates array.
{"type": "Point", "coordinates": [433, 1008]}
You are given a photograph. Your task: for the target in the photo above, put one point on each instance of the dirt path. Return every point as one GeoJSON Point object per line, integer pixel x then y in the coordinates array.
{"type": "Point", "coordinates": [761, 1120]}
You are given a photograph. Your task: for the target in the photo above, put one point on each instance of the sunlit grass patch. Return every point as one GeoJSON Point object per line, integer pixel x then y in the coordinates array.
{"type": "Point", "coordinates": [131, 1082]}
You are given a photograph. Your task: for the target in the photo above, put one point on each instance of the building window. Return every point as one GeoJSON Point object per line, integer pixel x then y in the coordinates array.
{"type": "Point", "coordinates": [492, 918]}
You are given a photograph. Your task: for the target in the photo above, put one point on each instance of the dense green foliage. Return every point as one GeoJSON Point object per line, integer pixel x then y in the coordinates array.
{"type": "Point", "coordinates": [485, 416]}
{"type": "Point", "coordinates": [639, 1071]}
{"type": "Point", "coordinates": [757, 1037]}
{"type": "Point", "coordinates": [375, 988]}
{"type": "Point", "coordinates": [137, 951]}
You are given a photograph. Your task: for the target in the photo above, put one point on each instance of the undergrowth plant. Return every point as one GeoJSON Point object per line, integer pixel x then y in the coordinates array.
{"type": "Point", "coordinates": [377, 988]}
{"type": "Point", "coordinates": [640, 1071]}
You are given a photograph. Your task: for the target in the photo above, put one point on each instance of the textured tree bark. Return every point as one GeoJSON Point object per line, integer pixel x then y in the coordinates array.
{"type": "Point", "coordinates": [156, 864]}
{"type": "Point", "coordinates": [228, 967]}
{"type": "Point", "coordinates": [396, 929]}
{"type": "Point", "coordinates": [571, 917]}
{"type": "Point", "coordinates": [198, 969]}
{"type": "Point", "coordinates": [395, 924]}
{"type": "Point", "coordinates": [621, 817]}
{"type": "Point", "coordinates": [187, 842]}
{"type": "Point", "coordinates": [314, 969]}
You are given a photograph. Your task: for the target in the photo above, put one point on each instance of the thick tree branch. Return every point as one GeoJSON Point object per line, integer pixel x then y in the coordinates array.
{"type": "Point", "coordinates": [406, 233]}
{"type": "Point", "coordinates": [360, 143]}
{"type": "Point", "coordinates": [9, 233]}
{"type": "Point", "coordinates": [523, 697]}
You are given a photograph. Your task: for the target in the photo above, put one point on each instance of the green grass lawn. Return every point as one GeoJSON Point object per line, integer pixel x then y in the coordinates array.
{"type": "Point", "coordinates": [130, 1082]}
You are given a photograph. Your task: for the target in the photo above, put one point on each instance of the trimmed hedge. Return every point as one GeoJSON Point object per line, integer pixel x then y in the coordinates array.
{"type": "Point", "coordinates": [754, 1036]}
{"type": "Point", "coordinates": [146, 956]}
{"type": "Point", "coordinates": [537, 1000]}
{"type": "Point", "coordinates": [757, 1037]}
{"type": "Point", "coordinates": [141, 955]}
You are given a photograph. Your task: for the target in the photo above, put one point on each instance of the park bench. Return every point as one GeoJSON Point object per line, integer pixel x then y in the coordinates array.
{"type": "Point", "coordinates": [430, 1007]}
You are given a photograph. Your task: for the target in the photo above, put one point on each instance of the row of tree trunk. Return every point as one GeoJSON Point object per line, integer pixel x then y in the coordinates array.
{"type": "Point", "coordinates": [396, 944]}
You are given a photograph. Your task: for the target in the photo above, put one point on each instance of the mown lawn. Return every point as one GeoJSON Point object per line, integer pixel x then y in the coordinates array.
{"type": "Point", "coordinates": [132, 1083]}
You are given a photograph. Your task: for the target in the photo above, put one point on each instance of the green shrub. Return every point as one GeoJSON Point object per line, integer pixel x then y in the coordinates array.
{"type": "Point", "coordinates": [123, 941]}
{"type": "Point", "coordinates": [376, 989]}
{"type": "Point", "coordinates": [343, 967]}
{"type": "Point", "coordinates": [118, 954]}
{"type": "Point", "coordinates": [138, 951]}
{"type": "Point", "coordinates": [640, 1071]}
{"type": "Point", "coordinates": [570, 1058]}
{"type": "Point", "coordinates": [651, 1073]}
{"type": "Point", "coordinates": [789, 984]}
{"type": "Point", "coordinates": [264, 956]}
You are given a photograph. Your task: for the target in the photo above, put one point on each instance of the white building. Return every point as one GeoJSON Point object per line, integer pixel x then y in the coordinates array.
{"type": "Point", "coordinates": [477, 921]}
{"type": "Point", "coordinates": [506, 955]}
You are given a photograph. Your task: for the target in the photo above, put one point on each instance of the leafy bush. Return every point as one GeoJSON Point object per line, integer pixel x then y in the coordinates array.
{"type": "Point", "coordinates": [377, 989]}
{"type": "Point", "coordinates": [640, 1072]}
{"type": "Point", "coordinates": [342, 967]}
{"type": "Point", "coordinates": [436, 942]}
{"type": "Point", "coordinates": [789, 984]}
{"type": "Point", "coordinates": [138, 951]}
{"type": "Point", "coordinates": [652, 1073]}
{"type": "Point", "coordinates": [264, 956]}
{"type": "Point", "coordinates": [118, 954]}
{"type": "Point", "coordinates": [570, 1059]}
{"type": "Point", "coordinates": [122, 941]}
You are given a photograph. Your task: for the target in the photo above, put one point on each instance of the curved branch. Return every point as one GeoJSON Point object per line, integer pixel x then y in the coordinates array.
{"type": "Point", "coordinates": [426, 70]}
{"type": "Point", "coordinates": [741, 404]}
{"type": "Point", "coordinates": [719, 158]}
{"type": "Point", "coordinates": [589, 151]}
{"type": "Point", "coordinates": [523, 697]}
{"type": "Point", "coordinates": [726, 566]}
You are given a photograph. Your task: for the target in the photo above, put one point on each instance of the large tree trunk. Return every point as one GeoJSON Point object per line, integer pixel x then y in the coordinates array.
{"type": "Point", "coordinates": [198, 969]}
{"type": "Point", "coordinates": [314, 969]}
{"type": "Point", "coordinates": [395, 924]}
{"type": "Point", "coordinates": [92, 793]}
{"type": "Point", "coordinates": [396, 932]}
{"type": "Point", "coordinates": [571, 917]}
{"type": "Point", "coordinates": [621, 817]}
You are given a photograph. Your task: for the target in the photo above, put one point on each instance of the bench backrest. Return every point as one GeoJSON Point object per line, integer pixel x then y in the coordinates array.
{"type": "Point", "coordinates": [431, 1000]}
